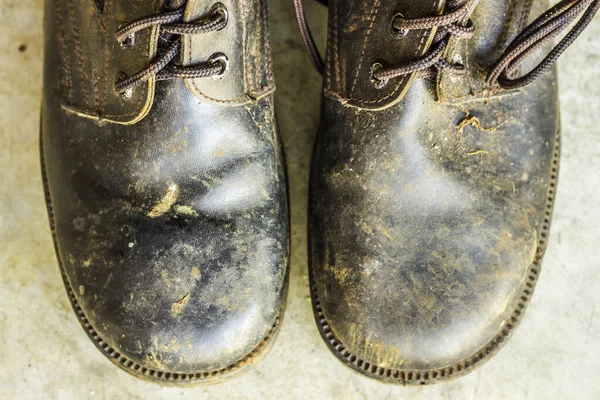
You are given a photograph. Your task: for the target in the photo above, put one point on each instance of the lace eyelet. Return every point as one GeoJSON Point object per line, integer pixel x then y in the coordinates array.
{"type": "Point", "coordinates": [128, 42]}
{"type": "Point", "coordinates": [377, 83]}
{"type": "Point", "coordinates": [398, 33]}
{"type": "Point", "coordinates": [220, 8]}
{"type": "Point", "coordinates": [222, 59]}
{"type": "Point", "coordinates": [124, 94]}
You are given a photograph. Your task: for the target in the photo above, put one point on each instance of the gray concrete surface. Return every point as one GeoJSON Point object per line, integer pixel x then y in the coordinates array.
{"type": "Point", "coordinates": [45, 354]}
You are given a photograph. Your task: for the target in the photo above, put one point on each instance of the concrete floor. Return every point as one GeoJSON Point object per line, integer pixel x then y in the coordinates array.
{"type": "Point", "coordinates": [44, 353]}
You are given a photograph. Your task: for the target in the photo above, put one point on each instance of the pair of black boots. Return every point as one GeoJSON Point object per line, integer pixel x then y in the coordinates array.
{"type": "Point", "coordinates": [432, 183]}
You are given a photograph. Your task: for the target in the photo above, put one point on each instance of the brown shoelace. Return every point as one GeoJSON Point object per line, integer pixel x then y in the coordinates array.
{"type": "Point", "coordinates": [537, 34]}
{"type": "Point", "coordinates": [446, 24]}
{"type": "Point", "coordinates": [453, 21]}
{"type": "Point", "coordinates": [171, 27]}
{"type": "Point", "coordinates": [307, 38]}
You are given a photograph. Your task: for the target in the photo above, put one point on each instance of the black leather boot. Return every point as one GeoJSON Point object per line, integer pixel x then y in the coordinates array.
{"type": "Point", "coordinates": [165, 181]}
{"type": "Point", "coordinates": [433, 178]}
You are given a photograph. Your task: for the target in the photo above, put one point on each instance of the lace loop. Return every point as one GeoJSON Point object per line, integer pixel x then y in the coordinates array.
{"type": "Point", "coordinates": [537, 34]}
{"type": "Point", "coordinates": [171, 28]}
{"type": "Point", "coordinates": [307, 38]}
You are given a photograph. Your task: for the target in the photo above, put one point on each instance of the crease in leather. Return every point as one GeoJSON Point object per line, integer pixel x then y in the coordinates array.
{"type": "Point", "coordinates": [88, 75]}
{"type": "Point", "coordinates": [357, 42]}
{"type": "Point", "coordinates": [244, 41]}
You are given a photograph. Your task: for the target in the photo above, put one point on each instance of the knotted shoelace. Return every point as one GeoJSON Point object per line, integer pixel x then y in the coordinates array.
{"type": "Point", "coordinates": [172, 27]}
{"type": "Point", "coordinates": [453, 22]}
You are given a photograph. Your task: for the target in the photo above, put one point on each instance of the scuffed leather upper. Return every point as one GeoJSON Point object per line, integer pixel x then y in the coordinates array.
{"type": "Point", "coordinates": [244, 40]}
{"type": "Point", "coordinates": [172, 231]}
{"type": "Point", "coordinates": [427, 215]}
{"type": "Point", "coordinates": [359, 36]}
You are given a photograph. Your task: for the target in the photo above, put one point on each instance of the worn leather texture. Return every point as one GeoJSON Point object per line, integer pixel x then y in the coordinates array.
{"type": "Point", "coordinates": [428, 221]}
{"type": "Point", "coordinates": [245, 42]}
{"type": "Point", "coordinates": [91, 59]}
{"type": "Point", "coordinates": [359, 36]}
{"type": "Point", "coordinates": [172, 232]}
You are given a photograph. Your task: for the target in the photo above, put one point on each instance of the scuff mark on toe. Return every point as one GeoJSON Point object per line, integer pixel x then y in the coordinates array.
{"type": "Point", "coordinates": [185, 210]}
{"type": "Point", "coordinates": [178, 307]}
{"type": "Point", "coordinates": [168, 199]}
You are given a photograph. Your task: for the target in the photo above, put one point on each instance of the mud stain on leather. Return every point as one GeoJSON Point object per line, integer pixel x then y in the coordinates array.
{"type": "Point", "coordinates": [369, 266]}
{"type": "Point", "coordinates": [178, 307]}
{"type": "Point", "coordinates": [376, 351]}
{"type": "Point", "coordinates": [154, 357]}
{"type": "Point", "coordinates": [185, 210]}
{"type": "Point", "coordinates": [472, 120]}
{"type": "Point", "coordinates": [340, 274]}
{"type": "Point", "coordinates": [385, 232]}
{"type": "Point", "coordinates": [164, 205]}
{"type": "Point", "coordinates": [79, 224]}
{"type": "Point", "coordinates": [172, 346]}
{"type": "Point", "coordinates": [478, 152]}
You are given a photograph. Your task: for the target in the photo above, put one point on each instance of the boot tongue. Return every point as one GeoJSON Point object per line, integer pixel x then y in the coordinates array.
{"type": "Point", "coordinates": [361, 35]}
{"type": "Point", "coordinates": [244, 41]}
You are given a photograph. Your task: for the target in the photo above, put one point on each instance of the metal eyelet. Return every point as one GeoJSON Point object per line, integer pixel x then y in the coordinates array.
{"type": "Point", "coordinates": [220, 8]}
{"type": "Point", "coordinates": [398, 33]}
{"type": "Point", "coordinates": [127, 93]}
{"type": "Point", "coordinates": [128, 42]}
{"type": "Point", "coordinates": [377, 83]}
{"type": "Point", "coordinates": [222, 59]}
